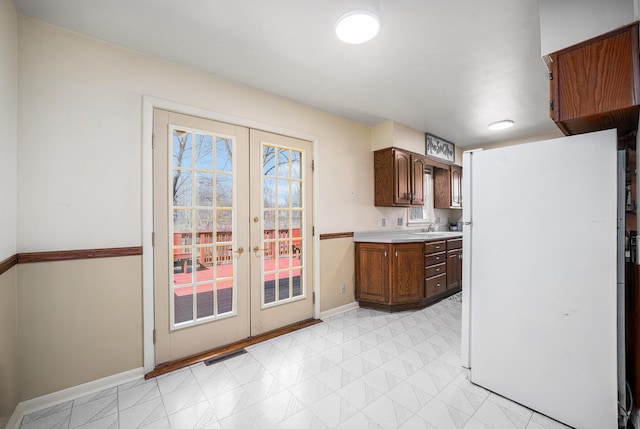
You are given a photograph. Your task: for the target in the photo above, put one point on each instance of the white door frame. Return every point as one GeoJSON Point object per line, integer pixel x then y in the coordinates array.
{"type": "Point", "coordinates": [148, 104]}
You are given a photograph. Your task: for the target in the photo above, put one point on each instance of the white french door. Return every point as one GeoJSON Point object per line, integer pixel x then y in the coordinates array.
{"type": "Point", "coordinates": [231, 218]}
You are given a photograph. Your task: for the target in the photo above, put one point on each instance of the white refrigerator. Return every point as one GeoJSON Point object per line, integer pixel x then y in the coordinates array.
{"type": "Point", "coordinates": [541, 276]}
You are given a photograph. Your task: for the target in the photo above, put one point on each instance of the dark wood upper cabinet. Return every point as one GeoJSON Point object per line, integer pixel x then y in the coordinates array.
{"type": "Point", "coordinates": [447, 187]}
{"type": "Point", "coordinates": [399, 178]}
{"type": "Point", "coordinates": [595, 85]}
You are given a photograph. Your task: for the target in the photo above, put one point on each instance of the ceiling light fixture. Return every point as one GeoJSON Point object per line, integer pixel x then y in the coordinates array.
{"type": "Point", "coordinates": [357, 26]}
{"type": "Point", "coordinates": [501, 125]}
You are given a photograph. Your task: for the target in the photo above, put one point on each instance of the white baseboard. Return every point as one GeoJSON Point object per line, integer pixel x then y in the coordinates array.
{"type": "Point", "coordinates": [62, 396]}
{"type": "Point", "coordinates": [339, 310]}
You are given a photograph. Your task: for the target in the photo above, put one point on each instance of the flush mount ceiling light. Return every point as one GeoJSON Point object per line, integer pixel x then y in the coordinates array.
{"type": "Point", "coordinates": [357, 26]}
{"type": "Point", "coordinates": [501, 125]}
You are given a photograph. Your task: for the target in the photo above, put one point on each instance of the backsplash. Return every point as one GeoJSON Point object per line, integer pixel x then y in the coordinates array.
{"type": "Point", "coordinates": [396, 218]}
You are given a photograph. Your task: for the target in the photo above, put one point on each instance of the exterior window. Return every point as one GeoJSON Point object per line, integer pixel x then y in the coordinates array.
{"type": "Point", "coordinates": [425, 214]}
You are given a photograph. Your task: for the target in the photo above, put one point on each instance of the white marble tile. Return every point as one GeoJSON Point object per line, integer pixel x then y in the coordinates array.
{"type": "Point", "coordinates": [336, 377]}
{"type": "Point", "coordinates": [56, 413]}
{"type": "Point", "coordinates": [462, 399]}
{"type": "Point", "coordinates": [359, 394]}
{"type": "Point", "coordinates": [428, 382]}
{"type": "Point", "coordinates": [375, 356]}
{"type": "Point", "coordinates": [410, 396]}
{"type": "Point", "coordinates": [442, 415]}
{"type": "Point", "coordinates": [357, 366]}
{"type": "Point", "coordinates": [214, 379]}
{"type": "Point", "coordinates": [136, 393]}
{"type": "Point", "coordinates": [381, 379]}
{"type": "Point", "coordinates": [337, 354]}
{"type": "Point", "coordinates": [250, 370]}
{"type": "Point", "coordinates": [181, 399]}
{"type": "Point", "coordinates": [95, 396]}
{"type": "Point", "coordinates": [176, 380]}
{"type": "Point", "coordinates": [443, 370]}
{"type": "Point", "coordinates": [291, 375]}
{"type": "Point", "coordinates": [393, 347]}
{"type": "Point", "coordinates": [505, 415]}
{"type": "Point", "coordinates": [538, 421]}
{"type": "Point", "coordinates": [359, 420]}
{"type": "Point", "coordinates": [416, 357]}
{"type": "Point", "coordinates": [198, 416]}
{"type": "Point", "coordinates": [310, 390]}
{"type": "Point", "coordinates": [106, 422]}
{"type": "Point", "coordinates": [264, 387]}
{"type": "Point", "coordinates": [305, 419]}
{"type": "Point", "coordinates": [400, 368]}
{"type": "Point", "coordinates": [231, 402]}
{"type": "Point", "coordinates": [92, 409]}
{"type": "Point", "coordinates": [333, 409]}
{"type": "Point", "coordinates": [387, 413]}
{"type": "Point", "coordinates": [145, 415]}
{"type": "Point", "coordinates": [57, 417]}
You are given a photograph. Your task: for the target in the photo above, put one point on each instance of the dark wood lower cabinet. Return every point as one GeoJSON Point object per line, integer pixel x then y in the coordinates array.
{"type": "Point", "coordinates": [394, 277]}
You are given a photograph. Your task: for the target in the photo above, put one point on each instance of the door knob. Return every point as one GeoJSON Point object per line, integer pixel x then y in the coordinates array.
{"type": "Point", "coordinates": [257, 249]}
{"type": "Point", "coordinates": [240, 250]}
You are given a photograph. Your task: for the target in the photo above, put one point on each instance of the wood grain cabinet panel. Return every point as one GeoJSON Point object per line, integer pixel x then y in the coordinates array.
{"type": "Point", "coordinates": [372, 272]}
{"type": "Point", "coordinates": [400, 276]}
{"type": "Point", "coordinates": [595, 85]}
{"type": "Point", "coordinates": [398, 178]}
{"type": "Point", "coordinates": [407, 285]}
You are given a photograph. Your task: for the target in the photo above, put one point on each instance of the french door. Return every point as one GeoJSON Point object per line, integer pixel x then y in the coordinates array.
{"type": "Point", "coordinates": [232, 221]}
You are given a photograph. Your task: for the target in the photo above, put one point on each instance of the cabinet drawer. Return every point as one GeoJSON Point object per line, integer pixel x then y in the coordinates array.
{"type": "Point", "coordinates": [435, 270]}
{"type": "Point", "coordinates": [454, 244]}
{"type": "Point", "coordinates": [434, 246]}
{"type": "Point", "coordinates": [435, 285]}
{"type": "Point", "coordinates": [435, 258]}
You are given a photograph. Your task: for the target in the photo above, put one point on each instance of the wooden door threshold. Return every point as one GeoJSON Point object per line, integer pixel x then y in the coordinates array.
{"type": "Point", "coordinates": [229, 348]}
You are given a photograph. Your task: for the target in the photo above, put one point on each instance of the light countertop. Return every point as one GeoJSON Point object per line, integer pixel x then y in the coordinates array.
{"type": "Point", "coordinates": [404, 236]}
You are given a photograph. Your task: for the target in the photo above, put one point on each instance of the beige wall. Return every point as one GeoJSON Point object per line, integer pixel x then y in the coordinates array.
{"type": "Point", "coordinates": [8, 344]}
{"type": "Point", "coordinates": [9, 127]}
{"type": "Point", "coordinates": [80, 139]}
{"type": "Point", "coordinates": [78, 321]}
{"type": "Point", "coordinates": [336, 268]}
{"type": "Point", "coordinates": [9, 202]}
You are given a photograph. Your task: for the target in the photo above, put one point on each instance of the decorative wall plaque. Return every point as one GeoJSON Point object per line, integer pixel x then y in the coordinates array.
{"type": "Point", "coordinates": [439, 148]}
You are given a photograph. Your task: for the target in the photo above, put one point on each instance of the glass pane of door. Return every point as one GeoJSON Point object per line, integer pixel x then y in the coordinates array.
{"type": "Point", "coordinates": [202, 187]}
{"type": "Point", "coordinates": [282, 224]}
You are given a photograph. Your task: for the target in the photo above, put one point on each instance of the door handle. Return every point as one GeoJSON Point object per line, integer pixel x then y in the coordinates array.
{"type": "Point", "coordinates": [240, 250]}
{"type": "Point", "coordinates": [257, 249]}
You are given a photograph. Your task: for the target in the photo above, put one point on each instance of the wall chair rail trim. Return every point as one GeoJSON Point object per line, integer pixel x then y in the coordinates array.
{"type": "Point", "coordinates": [8, 263]}
{"type": "Point", "coordinates": [67, 255]}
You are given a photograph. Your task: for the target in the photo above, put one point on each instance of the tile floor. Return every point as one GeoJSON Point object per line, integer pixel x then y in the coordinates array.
{"type": "Point", "coordinates": [359, 369]}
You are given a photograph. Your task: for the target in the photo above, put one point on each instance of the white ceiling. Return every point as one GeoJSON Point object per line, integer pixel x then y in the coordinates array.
{"type": "Point", "coordinates": [447, 67]}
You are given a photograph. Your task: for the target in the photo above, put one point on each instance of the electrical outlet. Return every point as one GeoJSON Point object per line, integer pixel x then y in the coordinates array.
{"type": "Point", "coordinates": [438, 220]}
{"type": "Point", "coordinates": [399, 222]}
{"type": "Point", "coordinates": [383, 222]}
{"type": "Point", "coordinates": [342, 288]}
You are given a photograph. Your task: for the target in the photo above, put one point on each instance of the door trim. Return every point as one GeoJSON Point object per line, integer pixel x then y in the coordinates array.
{"type": "Point", "coordinates": [148, 104]}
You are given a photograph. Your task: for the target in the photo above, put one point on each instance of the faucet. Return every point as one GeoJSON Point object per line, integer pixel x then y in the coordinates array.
{"type": "Point", "coordinates": [431, 227]}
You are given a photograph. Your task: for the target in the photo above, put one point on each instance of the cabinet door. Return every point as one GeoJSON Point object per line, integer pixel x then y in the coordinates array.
{"type": "Point", "coordinates": [454, 268]}
{"type": "Point", "coordinates": [417, 182]}
{"type": "Point", "coordinates": [441, 188]}
{"type": "Point", "coordinates": [402, 178]}
{"type": "Point", "coordinates": [372, 272]}
{"type": "Point", "coordinates": [408, 273]}
{"type": "Point", "coordinates": [595, 84]}
{"type": "Point", "coordinates": [456, 186]}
